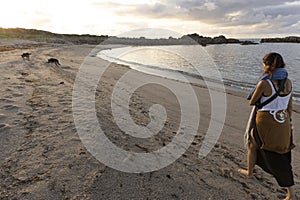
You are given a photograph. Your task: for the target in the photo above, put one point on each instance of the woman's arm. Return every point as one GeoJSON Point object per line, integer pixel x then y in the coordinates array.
{"type": "Point", "coordinates": [259, 91]}
{"type": "Point", "coordinates": [290, 106]}
{"type": "Point", "coordinates": [289, 89]}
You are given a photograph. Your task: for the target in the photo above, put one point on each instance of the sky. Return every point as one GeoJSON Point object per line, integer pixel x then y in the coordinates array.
{"type": "Point", "coordinates": [232, 18]}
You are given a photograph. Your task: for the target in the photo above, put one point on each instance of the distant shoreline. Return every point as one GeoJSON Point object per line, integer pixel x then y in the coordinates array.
{"type": "Point", "coordinates": [49, 37]}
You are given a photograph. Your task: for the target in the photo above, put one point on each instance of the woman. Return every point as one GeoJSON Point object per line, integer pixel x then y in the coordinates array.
{"type": "Point", "coordinates": [270, 141]}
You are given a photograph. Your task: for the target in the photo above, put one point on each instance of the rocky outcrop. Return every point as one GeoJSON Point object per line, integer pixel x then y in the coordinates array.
{"type": "Point", "coordinates": [208, 40]}
{"type": "Point", "coordinates": [290, 39]}
{"type": "Point", "coordinates": [184, 40]}
{"type": "Point", "coordinates": [247, 42]}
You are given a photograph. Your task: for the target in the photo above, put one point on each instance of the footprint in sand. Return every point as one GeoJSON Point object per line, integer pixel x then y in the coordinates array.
{"type": "Point", "coordinates": [19, 86]}
{"type": "Point", "coordinates": [24, 74]}
{"type": "Point", "coordinates": [6, 100]}
{"type": "Point", "coordinates": [2, 117]}
{"type": "Point", "coordinates": [4, 126]}
{"type": "Point", "coordinates": [10, 107]}
{"type": "Point", "coordinates": [17, 94]}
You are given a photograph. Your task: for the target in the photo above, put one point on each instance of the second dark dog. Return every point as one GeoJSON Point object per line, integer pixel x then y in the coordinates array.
{"type": "Point", "coordinates": [53, 60]}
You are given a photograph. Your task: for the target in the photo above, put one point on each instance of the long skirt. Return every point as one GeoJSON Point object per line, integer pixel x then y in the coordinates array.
{"type": "Point", "coordinates": [274, 148]}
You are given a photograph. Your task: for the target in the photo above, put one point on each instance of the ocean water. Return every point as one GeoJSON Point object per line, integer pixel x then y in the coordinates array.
{"type": "Point", "coordinates": [236, 65]}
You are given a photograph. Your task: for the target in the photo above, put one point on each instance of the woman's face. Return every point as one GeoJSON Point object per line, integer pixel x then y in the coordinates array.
{"type": "Point", "coordinates": [265, 67]}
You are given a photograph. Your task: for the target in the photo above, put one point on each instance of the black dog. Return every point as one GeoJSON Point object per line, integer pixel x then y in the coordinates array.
{"type": "Point", "coordinates": [53, 60]}
{"type": "Point", "coordinates": [25, 56]}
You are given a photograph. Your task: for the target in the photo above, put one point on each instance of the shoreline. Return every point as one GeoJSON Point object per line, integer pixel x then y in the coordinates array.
{"type": "Point", "coordinates": [176, 73]}
{"type": "Point", "coordinates": [47, 159]}
{"type": "Point", "coordinates": [197, 81]}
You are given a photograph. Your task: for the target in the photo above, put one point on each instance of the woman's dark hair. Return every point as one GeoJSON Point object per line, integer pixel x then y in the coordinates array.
{"type": "Point", "coordinates": [272, 61]}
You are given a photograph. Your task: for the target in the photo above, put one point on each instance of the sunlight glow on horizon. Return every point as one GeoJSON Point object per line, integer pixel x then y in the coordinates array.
{"type": "Point", "coordinates": [114, 17]}
{"type": "Point", "coordinates": [62, 17]}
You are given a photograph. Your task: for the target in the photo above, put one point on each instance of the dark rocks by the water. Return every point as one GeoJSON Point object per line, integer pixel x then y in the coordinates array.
{"type": "Point", "coordinates": [208, 40]}
{"type": "Point", "coordinates": [189, 39]}
{"type": "Point", "coordinates": [290, 39]}
{"type": "Point", "coordinates": [248, 43]}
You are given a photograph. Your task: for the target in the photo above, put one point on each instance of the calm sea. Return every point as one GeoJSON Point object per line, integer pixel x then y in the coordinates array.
{"type": "Point", "coordinates": [238, 65]}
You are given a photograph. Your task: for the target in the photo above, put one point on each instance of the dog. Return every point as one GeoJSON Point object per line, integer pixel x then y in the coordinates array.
{"type": "Point", "coordinates": [25, 56]}
{"type": "Point", "coordinates": [53, 60]}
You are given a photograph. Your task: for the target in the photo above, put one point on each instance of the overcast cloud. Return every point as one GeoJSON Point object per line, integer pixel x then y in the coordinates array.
{"type": "Point", "coordinates": [266, 17]}
{"type": "Point", "coordinates": [232, 18]}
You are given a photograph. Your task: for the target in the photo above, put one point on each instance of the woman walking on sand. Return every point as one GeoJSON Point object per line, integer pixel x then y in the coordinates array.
{"type": "Point", "coordinates": [270, 136]}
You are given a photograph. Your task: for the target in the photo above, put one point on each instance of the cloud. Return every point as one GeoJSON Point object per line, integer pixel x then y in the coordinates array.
{"type": "Point", "coordinates": [208, 17]}
{"type": "Point", "coordinates": [275, 14]}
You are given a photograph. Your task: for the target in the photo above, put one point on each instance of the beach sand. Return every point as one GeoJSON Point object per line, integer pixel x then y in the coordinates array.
{"type": "Point", "coordinates": [43, 157]}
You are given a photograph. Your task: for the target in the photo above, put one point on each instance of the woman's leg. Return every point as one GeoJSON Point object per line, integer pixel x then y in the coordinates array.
{"type": "Point", "coordinates": [251, 159]}
{"type": "Point", "coordinates": [290, 193]}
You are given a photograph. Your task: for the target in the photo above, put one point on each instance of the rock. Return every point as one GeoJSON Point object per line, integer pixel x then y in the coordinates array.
{"type": "Point", "coordinates": [289, 39]}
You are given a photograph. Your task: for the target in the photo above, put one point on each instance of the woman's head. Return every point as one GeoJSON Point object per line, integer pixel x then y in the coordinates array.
{"type": "Point", "coordinates": [272, 61]}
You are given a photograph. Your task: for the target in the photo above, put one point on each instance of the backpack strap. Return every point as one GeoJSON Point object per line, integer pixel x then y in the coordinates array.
{"type": "Point", "coordinates": [281, 87]}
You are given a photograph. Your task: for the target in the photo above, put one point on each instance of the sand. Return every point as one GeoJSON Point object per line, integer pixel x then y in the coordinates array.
{"type": "Point", "coordinates": [43, 157]}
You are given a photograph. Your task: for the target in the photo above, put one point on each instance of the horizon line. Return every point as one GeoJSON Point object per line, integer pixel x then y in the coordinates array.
{"type": "Point", "coordinates": [91, 34]}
